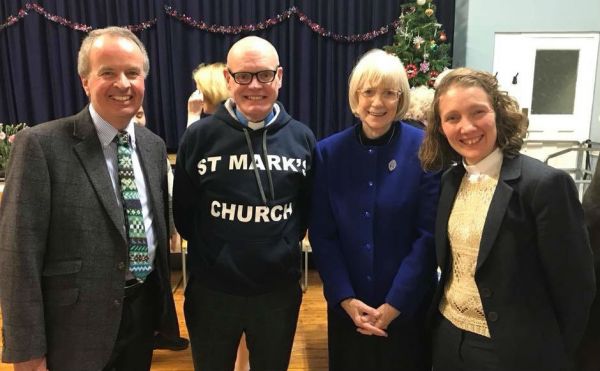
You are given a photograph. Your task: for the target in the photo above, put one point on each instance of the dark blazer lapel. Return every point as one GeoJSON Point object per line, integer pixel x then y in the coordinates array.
{"type": "Point", "coordinates": [154, 165]}
{"type": "Point", "coordinates": [511, 169]}
{"type": "Point", "coordinates": [150, 161]}
{"type": "Point", "coordinates": [89, 151]}
{"type": "Point", "coordinates": [450, 184]}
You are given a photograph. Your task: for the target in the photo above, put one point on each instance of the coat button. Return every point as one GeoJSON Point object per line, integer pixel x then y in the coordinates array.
{"type": "Point", "coordinates": [492, 316]}
{"type": "Point", "coordinates": [121, 266]}
{"type": "Point", "coordinates": [486, 293]}
{"type": "Point", "coordinates": [117, 302]}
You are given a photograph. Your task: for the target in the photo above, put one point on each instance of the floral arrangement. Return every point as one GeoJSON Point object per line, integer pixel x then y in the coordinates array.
{"type": "Point", "coordinates": [7, 137]}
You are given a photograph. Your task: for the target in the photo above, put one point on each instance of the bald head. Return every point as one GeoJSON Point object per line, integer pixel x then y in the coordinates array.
{"type": "Point", "coordinates": [251, 56]}
{"type": "Point", "coordinates": [253, 45]}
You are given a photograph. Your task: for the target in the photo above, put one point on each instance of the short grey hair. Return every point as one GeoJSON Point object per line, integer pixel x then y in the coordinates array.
{"type": "Point", "coordinates": [83, 59]}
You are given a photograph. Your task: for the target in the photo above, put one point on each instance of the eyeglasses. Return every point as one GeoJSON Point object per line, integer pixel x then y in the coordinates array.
{"type": "Point", "coordinates": [387, 95]}
{"type": "Point", "coordinates": [245, 78]}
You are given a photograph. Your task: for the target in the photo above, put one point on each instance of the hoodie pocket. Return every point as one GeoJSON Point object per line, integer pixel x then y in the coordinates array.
{"type": "Point", "coordinates": [257, 263]}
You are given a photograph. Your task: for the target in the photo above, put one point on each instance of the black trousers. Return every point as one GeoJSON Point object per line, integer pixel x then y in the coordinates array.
{"type": "Point", "coordinates": [405, 348]}
{"type": "Point", "coordinates": [135, 341]}
{"type": "Point", "coordinates": [216, 321]}
{"type": "Point", "coordinates": [455, 349]}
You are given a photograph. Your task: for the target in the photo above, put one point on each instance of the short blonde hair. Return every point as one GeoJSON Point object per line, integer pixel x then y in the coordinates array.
{"type": "Point", "coordinates": [211, 82]}
{"type": "Point", "coordinates": [377, 68]}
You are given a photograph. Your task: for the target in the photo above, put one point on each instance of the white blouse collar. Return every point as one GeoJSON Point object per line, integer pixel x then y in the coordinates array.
{"type": "Point", "coordinates": [488, 167]}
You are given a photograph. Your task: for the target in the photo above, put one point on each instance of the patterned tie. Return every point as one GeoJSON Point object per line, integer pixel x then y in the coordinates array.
{"type": "Point", "coordinates": [139, 261]}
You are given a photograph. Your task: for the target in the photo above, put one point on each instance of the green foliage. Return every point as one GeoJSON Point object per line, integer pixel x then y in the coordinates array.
{"type": "Point", "coordinates": [420, 43]}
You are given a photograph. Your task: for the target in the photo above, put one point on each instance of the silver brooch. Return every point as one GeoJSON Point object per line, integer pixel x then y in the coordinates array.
{"type": "Point", "coordinates": [392, 165]}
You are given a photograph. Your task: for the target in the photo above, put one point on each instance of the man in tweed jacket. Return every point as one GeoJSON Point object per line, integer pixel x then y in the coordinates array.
{"type": "Point", "coordinates": [69, 300]}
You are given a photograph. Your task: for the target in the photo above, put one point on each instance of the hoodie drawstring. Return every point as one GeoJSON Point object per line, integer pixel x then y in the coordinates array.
{"type": "Point", "coordinates": [256, 174]}
{"type": "Point", "coordinates": [266, 162]}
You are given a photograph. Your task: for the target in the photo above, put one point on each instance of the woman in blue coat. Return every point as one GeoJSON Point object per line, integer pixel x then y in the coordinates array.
{"type": "Point", "coordinates": [371, 228]}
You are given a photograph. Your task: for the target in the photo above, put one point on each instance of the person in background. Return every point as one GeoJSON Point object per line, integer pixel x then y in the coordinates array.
{"type": "Point", "coordinates": [240, 200]}
{"type": "Point", "coordinates": [589, 352]}
{"type": "Point", "coordinates": [84, 257]}
{"type": "Point", "coordinates": [517, 276]}
{"type": "Point", "coordinates": [418, 109]}
{"type": "Point", "coordinates": [195, 104]}
{"type": "Point", "coordinates": [420, 102]}
{"type": "Point", "coordinates": [440, 77]}
{"type": "Point", "coordinates": [371, 227]}
{"type": "Point", "coordinates": [162, 341]}
{"type": "Point", "coordinates": [211, 90]}
{"type": "Point", "coordinates": [140, 117]}
{"type": "Point", "coordinates": [212, 85]}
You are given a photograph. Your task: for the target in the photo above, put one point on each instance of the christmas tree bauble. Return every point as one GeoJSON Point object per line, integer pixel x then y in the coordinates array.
{"type": "Point", "coordinates": [429, 12]}
{"type": "Point", "coordinates": [421, 2]}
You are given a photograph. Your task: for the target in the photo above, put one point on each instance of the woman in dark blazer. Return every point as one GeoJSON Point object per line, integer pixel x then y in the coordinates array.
{"type": "Point", "coordinates": [589, 351]}
{"type": "Point", "coordinates": [517, 275]}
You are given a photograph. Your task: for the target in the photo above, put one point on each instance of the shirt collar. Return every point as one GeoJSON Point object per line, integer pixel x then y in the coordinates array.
{"type": "Point", "coordinates": [106, 132]}
{"type": "Point", "coordinates": [489, 166]}
{"type": "Point", "coordinates": [235, 113]}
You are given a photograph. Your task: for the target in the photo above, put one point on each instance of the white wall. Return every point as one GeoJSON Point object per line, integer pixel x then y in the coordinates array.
{"type": "Point", "coordinates": [477, 21]}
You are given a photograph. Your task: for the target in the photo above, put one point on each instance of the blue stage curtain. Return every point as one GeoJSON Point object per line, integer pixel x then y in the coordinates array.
{"type": "Point", "coordinates": [38, 57]}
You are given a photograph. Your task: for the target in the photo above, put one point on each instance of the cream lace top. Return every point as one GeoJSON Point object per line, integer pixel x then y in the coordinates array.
{"type": "Point", "coordinates": [461, 303]}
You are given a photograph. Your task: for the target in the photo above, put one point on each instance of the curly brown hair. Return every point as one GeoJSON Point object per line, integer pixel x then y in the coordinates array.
{"type": "Point", "coordinates": [437, 154]}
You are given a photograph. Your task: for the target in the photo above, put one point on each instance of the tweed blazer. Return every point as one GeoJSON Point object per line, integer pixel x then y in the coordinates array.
{"type": "Point", "coordinates": [534, 270]}
{"type": "Point", "coordinates": [63, 254]}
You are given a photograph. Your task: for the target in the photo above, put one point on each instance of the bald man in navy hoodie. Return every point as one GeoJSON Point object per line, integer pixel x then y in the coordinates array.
{"type": "Point", "coordinates": [240, 199]}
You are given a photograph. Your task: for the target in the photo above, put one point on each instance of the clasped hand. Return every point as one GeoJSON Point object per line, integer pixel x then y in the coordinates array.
{"type": "Point", "coordinates": [369, 320]}
{"type": "Point", "coordinates": [37, 364]}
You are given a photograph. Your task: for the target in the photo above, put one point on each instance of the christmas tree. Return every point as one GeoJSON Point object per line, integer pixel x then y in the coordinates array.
{"type": "Point", "coordinates": [420, 43]}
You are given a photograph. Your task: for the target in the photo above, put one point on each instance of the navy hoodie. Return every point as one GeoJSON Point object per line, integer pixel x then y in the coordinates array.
{"type": "Point", "coordinates": [240, 199]}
